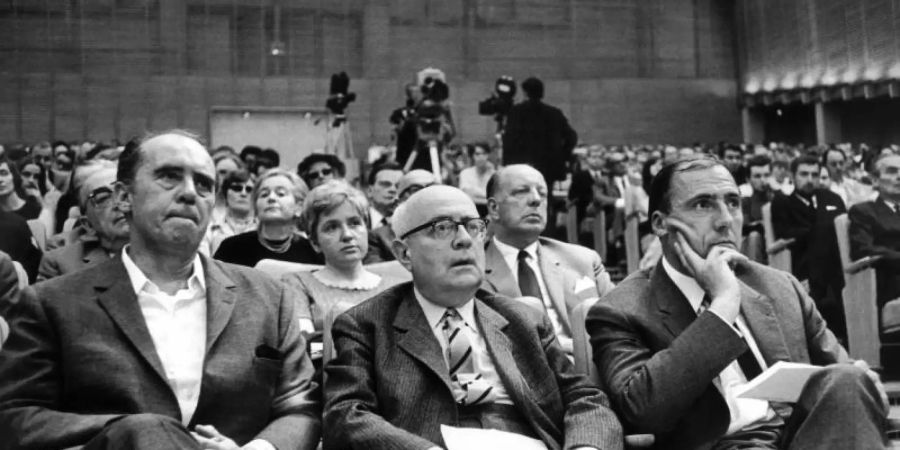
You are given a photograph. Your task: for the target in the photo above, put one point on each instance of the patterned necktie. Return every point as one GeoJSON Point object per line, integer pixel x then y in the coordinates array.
{"type": "Point", "coordinates": [528, 282]}
{"type": "Point", "coordinates": [469, 387]}
{"type": "Point", "coordinates": [749, 365]}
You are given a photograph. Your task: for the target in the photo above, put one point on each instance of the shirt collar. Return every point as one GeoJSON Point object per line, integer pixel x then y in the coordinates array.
{"type": "Point", "coordinates": [508, 251]}
{"type": "Point", "coordinates": [890, 204]}
{"type": "Point", "coordinates": [434, 312]}
{"type": "Point", "coordinates": [687, 285]}
{"type": "Point", "coordinates": [139, 281]}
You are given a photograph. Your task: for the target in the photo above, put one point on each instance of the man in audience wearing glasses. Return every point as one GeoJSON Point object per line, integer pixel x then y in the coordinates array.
{"type": "Point", "coordinates": [676, 344]}
{"type": "Point", "coordinates": [160, 348]}
{"type": "Point", "coordinates": [439, 351]}
{"type": "Point", "coordinates": [107, 228]}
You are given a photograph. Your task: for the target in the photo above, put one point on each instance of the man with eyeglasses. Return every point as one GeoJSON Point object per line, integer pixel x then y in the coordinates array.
{"type": "Point", "coordinates": [160, 347]}
{"type": "Point", "coordinates": [440, 351]}
{"type": "Point", "coordinates": [381, 238]}
{"type": "Point", "coordinates": [106, 230]}
{"type": "Point", "coordinates": [520, 262]}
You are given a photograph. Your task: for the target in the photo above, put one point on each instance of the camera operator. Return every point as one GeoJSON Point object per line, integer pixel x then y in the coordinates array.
{"type": "Point", "coordinates": [500, 102]}
{"type": "Point", "coordinates": [431, 120]}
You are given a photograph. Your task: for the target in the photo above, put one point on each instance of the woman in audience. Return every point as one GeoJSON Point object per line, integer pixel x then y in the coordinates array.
{"type": "Point", "coordinates": [277, 199]}
{"type": "Point", "coordinates": [318, 168]}
{"type": "Point", "coordinates": [34, 177]}
{"type": "Point", "coordinates": [335, 218]}
{"type": "Point", "coordinates": [225, 163]}
{"type": "Point", "coordinates": [12, 193]}
{"type": "Point", "coordinates": [238, 218]}
{"type": "Point", "coordinates": [473, 180]}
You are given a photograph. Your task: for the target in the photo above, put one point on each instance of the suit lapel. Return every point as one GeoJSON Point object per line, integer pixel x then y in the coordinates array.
{"type": "Point", "coordinates": [557, 284]}
{"type": "Point", "coordinates": [116, 296]}
{"type": "Point", "coordinates": [674, 309]}
{"type": "Point", "coordinates": [417, 339]}
{"type": "Point", "coordinates": [93, 253]}
{"type": "Point", "coordinates": [220, 298]}
{"type": "Point", "coordinates": [759, 313]}
{"type": "Point", "coordinates": [498, 274]}
{"type": "Point", "coordinates": [491, 325]}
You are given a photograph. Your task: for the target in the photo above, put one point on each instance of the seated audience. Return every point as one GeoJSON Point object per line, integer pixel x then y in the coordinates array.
{"type": "Point", "coordinates": [439, 351]}
{"type": "Point", "coordinates": [236, 190]}
{"type": "Point", "coordinates": [12, 193]}
{"type": "Point", "coordinates": [382, 193]}
{"type": "Point", "coordinates": [318, 168]}
{"type": "Point", "coordinates": [520, 262]}
{"type": "Point", "coordinates": [473, 180]}
{"type": "Point", "coordinates": [267, 159]}
{"type": "Point", "coordinates": [249, 154]}
{"type": "Point", "coordinates": [851, 191]}
{"type": "Point", "coordinates": [61, 166]}
{"type": "Point", "coordinates": [104, 359]}
{"type": "Point", "coordinates": [381, 238]}
{"type": "Point", "coordinates": [875, 231]}
{"type": "Point", "coordinates": [16, 241]}
{"type": "Point", "coordinates": [807, 217]}
{"type": "Point", "coordinates": [34, 178]}
{"type": "Point", "coordinates": [9, 293]}
{"type": "Point", "coordinates": [759, 168]}
{"type": "Point", "coordinates": [277, 201]}
{"type": "Point", "coordinates": [675, 344]}
{"type": "Point", "coordinates": [226, 163]}
{"type": "Point", "coordinates": [334, 215]}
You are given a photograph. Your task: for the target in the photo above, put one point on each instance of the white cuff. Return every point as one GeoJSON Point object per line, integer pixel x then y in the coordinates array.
{"type": "Point", "coordinates": [259, 444]}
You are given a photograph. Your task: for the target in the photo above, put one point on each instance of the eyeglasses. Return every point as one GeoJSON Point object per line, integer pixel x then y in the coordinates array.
{"type": "Point", "coordinates": [237, 188]}
{"type": "Point", "coordinates": [444, 228]}
{"type": "Point", "coordinates": [320, 174]}
{"type": "Point", "coordinates": [29, 174]}
{"type": "Point", "coordinates": [100, 197]}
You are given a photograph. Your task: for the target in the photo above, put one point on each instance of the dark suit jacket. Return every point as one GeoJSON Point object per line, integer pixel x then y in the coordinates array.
{"type": "Point", "coordinates": [658, 359]}
{"type": "Point", "coordinates": [875, 230]}
{"type": "Point", "coordinates": [388, 386]}
{"type": "Point", "coordinates": [816, 241]}
{"type": "Point", "coordinates": [539, 134]}
{"type": "Point", "coordinates": [563, 266]}
{"type": "Point", "coordinates": [71, 258]}
{"type": "Point", "coordinates": [80, 354]}
{"type": "Point", "coordinates": [17, 242]}
{"type": "Point", "coordinates": [9, 285]}
{"type": "Point", "coordinates": [380, 240]}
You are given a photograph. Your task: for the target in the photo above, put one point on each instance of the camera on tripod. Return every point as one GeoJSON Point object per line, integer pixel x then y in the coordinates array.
{"type": "Point", "coordinates": [339, 96]}
{"type": "Point", "coordinates": [500, 101]}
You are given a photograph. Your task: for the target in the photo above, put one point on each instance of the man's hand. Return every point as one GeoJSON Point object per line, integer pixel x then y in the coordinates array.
{"type": "Point", "coordinates": [882, 392]}
{"type": "Point", "coordinates": [210, 439]}
{"type": "Point", "coordinates": [713, 274]}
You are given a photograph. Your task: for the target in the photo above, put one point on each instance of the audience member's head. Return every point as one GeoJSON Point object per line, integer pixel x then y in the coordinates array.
{"type": "Point", "coordinates": [806, 171]}
{"type": "Point", "coordinates": [887, 169]}
{"type": "Point", "coordinates": [517, 204]}
{"type": "Point", "coordinates": [267, 159]}
{"type": "Point", "coordinates": [760, 168]}
{"type": "Point", "coordinates": [732, 157]}
{"type": "Point", "coordinates": [835, 161]}
{"type": "Point", "coordinates": [824, 180]}
{"type": "Point", "coordinates": [382, 190]}
{"type": "Point", "coordinates": [249, 155]}
{"type": "Point", "coordinates": [43, 154]}
{"type": "Point", "coordinates": [278, 197]}
{"type": "Point", "coordinates": [96, 198]}
{"type": "Point", "coordinates": [318, 168]}
{"type": "Point", "coordinates": [166, 186]}
{"type": "Point", "coordinates": [440, 239]}
{"type": "Point", "coordinates": [669, 154]}
{"type": "Point", "coordinates": [335, 217]}
{"type": "Point", "coordinates": [698, 199]}
{"type": "Point", "coordinates": [237, 190]}
{"type": "Point", "coordinates": [414, 181]}
{"type": "Point", "coordinates": [226, 163]}
{"type": "Point", "coordinates": [10, 180]}
{"type": "Point", "coordinates": [102, 151]}
{"type": "Point", "coordinates": [533, 88]}
{"type": "Point", "coordinates": [615, 163]}
{"type": "Point", "coordinates": [34, 177]}
{"type": "Point", "coordinates": [596, 157]}
{"type": "Point", "coordinates": [479, 154]}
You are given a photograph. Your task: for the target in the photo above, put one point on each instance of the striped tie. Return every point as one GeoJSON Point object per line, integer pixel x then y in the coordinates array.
{"type": "Point", "coordinates": [469, 387]}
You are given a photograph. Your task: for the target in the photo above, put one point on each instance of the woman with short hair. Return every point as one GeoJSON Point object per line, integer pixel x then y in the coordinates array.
{"type": "Point", "coordinates": [236, 190]}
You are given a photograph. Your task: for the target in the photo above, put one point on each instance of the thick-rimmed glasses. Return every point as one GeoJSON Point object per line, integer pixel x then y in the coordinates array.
{"type": "Point", "coordinates": [100, 197]}
{"type": "Point", "coordinates": [446, 228]}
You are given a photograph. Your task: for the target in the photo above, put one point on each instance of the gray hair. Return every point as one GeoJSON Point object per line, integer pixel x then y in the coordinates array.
{"type": "Point", "coordinates": [87, 170]}
{"type": "Point", "coordinates": [300, 189]}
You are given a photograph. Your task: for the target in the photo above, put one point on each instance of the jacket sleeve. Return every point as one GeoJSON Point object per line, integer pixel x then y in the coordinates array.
{"type": "Point", "coordinates": [862, 236]}
{"type": "Point", "coordinates": [782, 223]}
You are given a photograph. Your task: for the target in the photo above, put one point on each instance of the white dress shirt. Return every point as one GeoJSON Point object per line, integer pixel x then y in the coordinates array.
{"type": "Point", "coordinates": [177, 324]}
{"type": "Point", "coordinates": [376, 217]}
{"type": "Point", "coordinates": [511, 256]}
{"type": "Point", "coordinates": [481, 359]}
{"type": "Point", "coordinates": [744, 411]}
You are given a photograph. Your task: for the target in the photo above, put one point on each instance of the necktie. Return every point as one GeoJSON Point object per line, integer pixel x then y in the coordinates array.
{"type": "Point", "coordinates": [747, 361]}
{"type": "Point", "coordinates": [469, 387]}
{"type": "Point", "coordinates": [528, 282]}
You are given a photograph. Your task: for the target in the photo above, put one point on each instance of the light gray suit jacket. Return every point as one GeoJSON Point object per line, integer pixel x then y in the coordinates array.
{"type": "Point", "coordinates": [80, 355]}
{"type": "Point", "coordinates": [71, 258]}
{"type": "Point", "coordinates": [564, 268]}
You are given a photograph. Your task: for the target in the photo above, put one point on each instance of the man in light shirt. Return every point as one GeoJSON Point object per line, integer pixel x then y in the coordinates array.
{"type": "Point", "coordinates": [439, 351]}
{"type": "Point", "coordinates": [676, 343]}
{"type": "Point", "coordinates": [520, 262]}
{"type": "Point", "coordinates": [158, 348]}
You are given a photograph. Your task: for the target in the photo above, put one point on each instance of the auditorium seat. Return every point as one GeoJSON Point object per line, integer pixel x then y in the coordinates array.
{"type": "Point", "coordinates": [779, 253]}
{"type": "Point", "coordinates": [600, 233]}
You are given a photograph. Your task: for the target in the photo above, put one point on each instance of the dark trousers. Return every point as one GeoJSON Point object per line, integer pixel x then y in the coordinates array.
{"type": "Point", "coordinates": [496, 417]}
{"type": "Point", "coordinates": [143, 432]}
{"type": "Point", "coordinates": [839, 408]}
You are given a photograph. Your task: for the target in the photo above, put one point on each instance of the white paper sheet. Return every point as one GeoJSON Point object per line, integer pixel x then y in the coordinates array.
{"type": "Point", "coordinates": [478, 439]}
{"type": "Point", "coordinates": [783, 382]}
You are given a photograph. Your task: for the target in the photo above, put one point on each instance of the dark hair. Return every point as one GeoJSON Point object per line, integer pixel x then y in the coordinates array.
{"type": "Point", "coordinates": [239, 176]}
{"type": "Point", "coordinates": [250, 150]}
{"type": "Point", "coordinates": [272, 155]}
{"type": "Point", "coordinates": [492, 183]}
{"type": "Point", "coordinates": [730, 148]}
{"type": "Point", "coordinates": [659, 188]}
{"type": "Point", "coordinates": [313, 158]}
{"type": "Point", "coordinates": [470, 148]}
{"type": "Point", "coordinates": [57, 144]}
{"type": "Point", "coordinates": [17, 179]}
{"type": "Point", "coordinates": [42, 174]}
{"type": "Point", "coordinates": [759, 161]}
{"type": "Point", "coordinates": [95, 150]}
{"type": "Point", "coordinates": [533, 88]}
{"type": "Point", "coordinates": [824, 159]}
{"type": "Point", "coordinates": [130, 159]}
{"type": "Point", "coordinates": [809, 160]}
{"type": "Point", "coordinates": [373, 174]}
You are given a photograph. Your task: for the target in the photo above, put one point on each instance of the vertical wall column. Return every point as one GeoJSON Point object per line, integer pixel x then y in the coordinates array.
{"type": "Point", "coordinates": [753, 122]}
{"type": "Point", "coordinates": [376, 45]}
{"type": "Point", "coordinates": [828, 123]}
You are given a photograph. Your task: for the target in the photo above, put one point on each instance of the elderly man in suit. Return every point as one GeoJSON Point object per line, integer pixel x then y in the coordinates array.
{"type": "Point", "coordinates": [439, 351]}
{"type": "Point", "coordinates": [520, 262]}
{"type": "Point", "coordinates": [676, 344]}
{"type": "Point", "coordinates": [136, 351]}
{"type": "Point", "coordinates": [107, 226]}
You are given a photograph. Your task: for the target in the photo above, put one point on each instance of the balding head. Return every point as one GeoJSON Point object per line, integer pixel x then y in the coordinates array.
{"type": "Point", "coordinates": [131, 157]}
{"type": "Point", "coordinates": [517, 204]}
{"type": "Point", "coordinates": [420, 207]}
{"type": "Point", "coordinates": [413, 181]}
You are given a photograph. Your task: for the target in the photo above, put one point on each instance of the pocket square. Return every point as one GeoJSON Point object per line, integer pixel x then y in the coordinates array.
{"type": "Point", "coordinates": [264, 351]}
{"type": "Point", "coordinates": [830, 207]}
{"type": "Point", "coordinates": [584, 283]}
